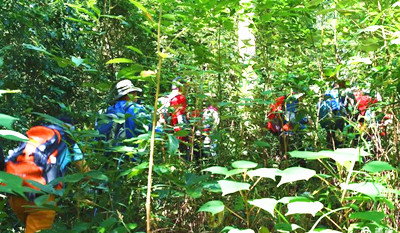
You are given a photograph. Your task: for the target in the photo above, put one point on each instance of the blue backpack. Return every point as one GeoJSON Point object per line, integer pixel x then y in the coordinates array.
{"type": "Point", "coordinates": [330, 106]}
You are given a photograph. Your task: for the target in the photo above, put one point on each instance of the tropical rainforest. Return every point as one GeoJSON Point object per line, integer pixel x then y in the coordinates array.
{"type": "Point", "coordinates": [273, 167]}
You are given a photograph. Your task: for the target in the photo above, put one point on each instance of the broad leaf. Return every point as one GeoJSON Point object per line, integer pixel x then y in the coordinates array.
{"type": "Point", "coordinates": [7, 121]}
{"type": "Point", "coordinates": [244, 164]}
{"type": "Point", "coordinates": [234, 172]}
{"type": "Point", "coordinates": [287, 200]}
{"type": "Point", "coordinates": [214, 207]}
{"type": "Point", "coordinates": [12, 135]}
{"type": "Point", "coordinates": [134, 49]}
{"type": "Point", "coordinates": [264, 172]}
{"type": "Point", "coordinates": [377, 166]}
{"type": "Point", "coordinates": [173, 144]}
{"type": "Point", "coordinates": [304, 207]}
{"type": "Point", "coordinates": [307, 155]}
{"type": "Point", "coordinates": [119, 60]}
{"type": "Point", "coordinates": [228, 186]}
{"type": "Point", "coordinates": [370, 189]}
{"type": "Point", "coordinates": [217, 170]}
{"type": "Point", "coordinates": [368, 216]}
{"type": "Point", "coordinates": [267, 204]}
{"type": "Point", "coordinates": [294, 174]}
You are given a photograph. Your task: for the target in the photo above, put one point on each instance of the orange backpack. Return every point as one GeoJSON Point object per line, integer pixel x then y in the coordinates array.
{"type": "Point", "coordinates": [38, 159]}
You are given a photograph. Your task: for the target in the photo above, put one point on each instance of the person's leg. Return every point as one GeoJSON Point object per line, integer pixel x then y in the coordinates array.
{"type": "Point", "coordinates": [17, 204]}
{"type": "Point", "coordinates": [39, 220]}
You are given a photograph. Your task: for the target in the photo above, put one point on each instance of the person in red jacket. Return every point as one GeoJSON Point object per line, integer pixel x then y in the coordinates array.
{"type": "Point", "coordinates": [179, 105]}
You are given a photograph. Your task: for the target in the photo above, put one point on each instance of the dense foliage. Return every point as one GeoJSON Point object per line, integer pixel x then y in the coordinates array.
{"type": "Point", "coordinates": [64, 57]}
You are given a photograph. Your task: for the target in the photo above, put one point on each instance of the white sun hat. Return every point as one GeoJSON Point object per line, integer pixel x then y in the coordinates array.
{"type": "Point", "coordinates": [125, 87]}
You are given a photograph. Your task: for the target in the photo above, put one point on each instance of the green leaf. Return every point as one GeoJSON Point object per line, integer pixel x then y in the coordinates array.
{"type": "Point", "coordinates": [36, 48]}
{"type": "Point", "coordinates": [262, 144]}
{"type": "Point", "coordinates": [173, 144]}
{"type": "Point", "coordinates": [13, 183]}
{"type": "Point", "coordinates": [77, 61]}
{"type": "Point", "coordinates": [304, 207]}
{"type": "Point", "coordinates": [294, 174]}
{"type": "Point", "coordinates": [377, 166]}
{"type": "Point", "coordinates": [142, 8]}
{"type": "Point", "coordinates": [228, 186]}
{"type": "Point", "coordinates": [217, 170]}
{"type": "Point", "coordinates": [214, 207]}
{"type": "Point", "coordinates": [307, 155]}
{"type": "Point", "coordinates": [370, 189]}
{"type": "Point", "coordinates": [73, 178]}
{"type": "Point", "coordinates": [134, 49]}
{"type": "Point", "coordinates": [287, 200]}
{"type": "Point", "coordinates": [241, 231]}
{"type": "Point", "coordinates": [9, 92]}
{"type": "Point", "coordinates": [7, 121]}
{"type": "Point", "coordinates": [234, 172]}
{"type": "Point", "coordinates": [119, 60]}
{"type": "Point", "coordinates": [368, 216]}
{"type": "Point", "coordinates": [97, 175]}
{"type": "Point", "coordinates": [263, 230]}
{"type": "Point", "coordinates": [12, 135]}
{"type": "Point", "coordinates": [244, 164]}
{"type": "Point", "coordinates": [325, 231]}
{"type": "Point", "coordinates": [264, 172]}
{"type": "Point", "coordinates": [267, 204]}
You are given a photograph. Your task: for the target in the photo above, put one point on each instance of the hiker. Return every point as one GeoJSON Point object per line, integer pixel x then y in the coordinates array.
{"type": "Point", "coordinates": [282, 119]}
{"type": "Point", "coordinates": [331, 111]}
{"type": "Point", "coordinates": [177, 102]}
{"type": "Point", "coordinates": [43, 158]}
{"type": "Point", "coordinates": [210, 120]}
{"type": "Point", "coordinates": [124, 106]}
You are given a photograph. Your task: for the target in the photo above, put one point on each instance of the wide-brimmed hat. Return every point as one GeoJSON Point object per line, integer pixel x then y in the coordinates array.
{"type": "Point", "coordinates": [125, 87]}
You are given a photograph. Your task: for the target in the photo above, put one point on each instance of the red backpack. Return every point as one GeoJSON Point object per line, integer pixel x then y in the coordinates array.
{"type": "Point", "coordinates": [38, 159]}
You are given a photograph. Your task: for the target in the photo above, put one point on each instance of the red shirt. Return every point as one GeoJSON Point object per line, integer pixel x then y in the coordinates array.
{"type": "Point", "coordinates": [179, 104]}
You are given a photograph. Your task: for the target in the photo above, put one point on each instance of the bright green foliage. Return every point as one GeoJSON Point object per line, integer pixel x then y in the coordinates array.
{"type": "Point", "coordinates": [214, 207]}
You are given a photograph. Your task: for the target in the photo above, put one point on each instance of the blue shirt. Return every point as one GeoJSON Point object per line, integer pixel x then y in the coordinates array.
{"type": "Point", "coordinates": [133, 113]}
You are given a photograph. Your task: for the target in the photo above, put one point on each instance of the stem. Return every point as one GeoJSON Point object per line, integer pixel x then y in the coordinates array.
{"type": "Point", "coordinates": [153, 130]}
{"type": "Point", "coordinates": [324, 215]}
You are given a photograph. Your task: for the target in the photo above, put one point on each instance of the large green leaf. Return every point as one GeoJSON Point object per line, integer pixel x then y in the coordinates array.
{"type": "Point", "coordinates": [13, 183]}
{"type": "Point", "coordinates": [244, 164]}
{"type": "Point", "coordinates": [119, 60]}
{"type": "Point", "coordinates": [12, 135]}
{"type": "Point", "coordinates": [304, 207]}
{"type": "Point", "coordinates": [173, 144]}
{"type": "Point", "coordinates": [377, 166]}
{"type": "Point", "coordinates": [264, 172]}
{"type": "Point", "coordinates": [370, 189]}
{"type": "Point", "coordinates": [307, 155]}
{"type": "Point", "coordinates": [9, 92]}
{"type": "Point", "coordinates": [267, 204]}
{"type": "Point", "coordinates": [7, 121]}
{"type": "Point", "coordinates": [217, 170]}
{"type": "Point", "coordinates": [234, 172]}
{"type": "Point", "coordinates": [369, 216]}
{"type": "Point", "coordinates": [294, 174]}
{"type": "Point", "coordinates": [288, 200]}
{"type": "Point", "coordinates": [214, 207]}
{"type": "Point", "coordinates": [228, 186]}
{"type": "Point", "coordinates": [134, 49]}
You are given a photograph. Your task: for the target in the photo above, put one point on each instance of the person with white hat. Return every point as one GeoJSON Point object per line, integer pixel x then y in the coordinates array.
{"type": "Point", "coordinates": [136, 122]}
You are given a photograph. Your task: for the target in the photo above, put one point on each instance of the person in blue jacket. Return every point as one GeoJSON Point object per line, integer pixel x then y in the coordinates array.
{"type": "Point", "coordinates": [125, 118]}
